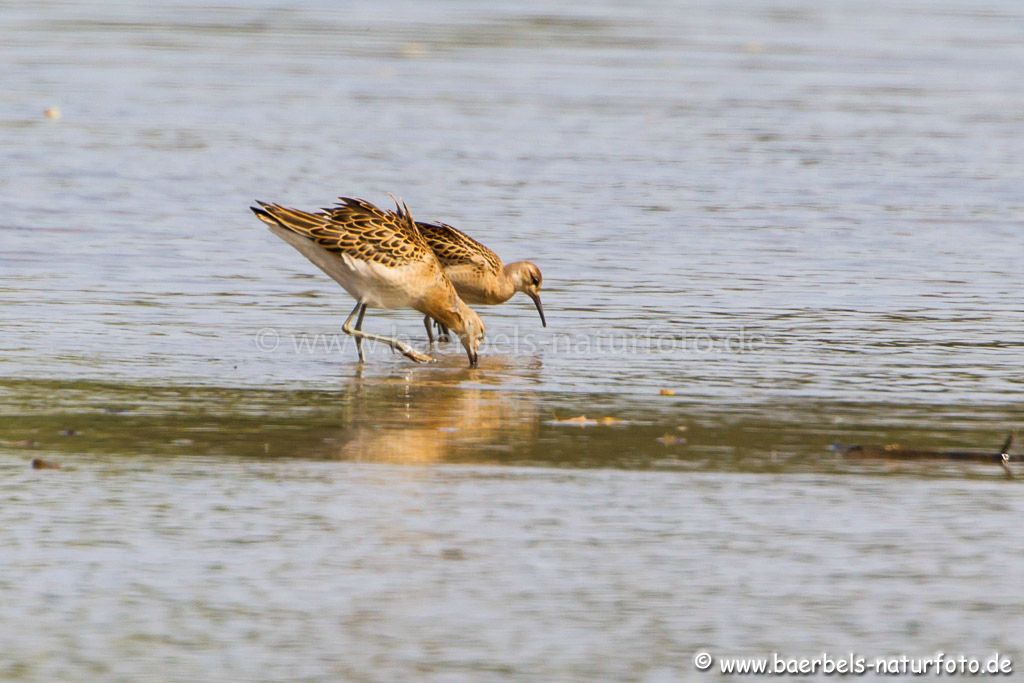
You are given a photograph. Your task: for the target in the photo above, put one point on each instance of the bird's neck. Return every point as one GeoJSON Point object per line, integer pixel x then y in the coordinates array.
{"type": "Point", "coordinates": [448, 318]}
{"type": "Point", "coordinates": [509, 281]}
{"type": "Point", "coordinates": [445, 306]}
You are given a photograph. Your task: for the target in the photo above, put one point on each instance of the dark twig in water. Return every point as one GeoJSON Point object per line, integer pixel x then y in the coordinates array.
{"type": "Point", "coordinates": [896, 452]}
{"type": "Point", "coordinates": [1004, 455]}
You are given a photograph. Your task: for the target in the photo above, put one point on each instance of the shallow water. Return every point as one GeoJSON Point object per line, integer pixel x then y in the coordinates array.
{"type": "Point", "coordinates": [805, 221]}
{"type": "Point", "coordinates": [842, 194]}
{"type": "Point", "coordinates": [206, 569]}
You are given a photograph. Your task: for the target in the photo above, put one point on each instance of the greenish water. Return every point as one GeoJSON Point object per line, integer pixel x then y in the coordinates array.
{"type": "Point", "coordinates": [405, 421]}
{"type": "Point", "coordinates": [804, 222]}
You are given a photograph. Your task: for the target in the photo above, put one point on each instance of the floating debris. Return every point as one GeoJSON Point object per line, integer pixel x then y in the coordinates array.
{"type": "Point", "coordinates": [453, 554]}
{"type": "Point", "coordinates": [23, 443]}
{"type": "Point", "coordinates": [578, 421]}
{"type": "Point", "coordinates": [40, 464]}
{"type": "Point", "coordinates": [52, 113]}
{"type": "Point", "coordinates": [584, 421]}
{"type": "Point", "coordinates": [670, 440]}
{"type": "Point", "coordinates": [895, 451]}
{"type": "Point", "coordinates": [68, 432]}
{"type": "Point", "coordinates": [667, 392]}
{"type": "Point", "coordinates": [414, 50]}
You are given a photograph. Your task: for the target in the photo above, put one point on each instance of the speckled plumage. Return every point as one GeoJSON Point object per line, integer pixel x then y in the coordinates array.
{"type": "Point", "coordinates": [361, 230]}
{"type": "Point", "coordinates": [477, 273]}
{"type": "Point", "coordinates": [381, 258]}
{"type": "Point", "coordinates": [455, 248]}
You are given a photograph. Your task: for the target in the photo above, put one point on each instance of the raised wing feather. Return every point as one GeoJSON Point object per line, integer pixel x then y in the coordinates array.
{"type": "Point", "coordinates": [455, 248]}
{"type": "Point", "coordinates": [358, 229]}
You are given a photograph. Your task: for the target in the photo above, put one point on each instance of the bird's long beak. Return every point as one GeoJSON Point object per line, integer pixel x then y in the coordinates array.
{"type": "Point", "coordinates": [474, 358]}
{"type": "Point", "coordinates": [540, 309]}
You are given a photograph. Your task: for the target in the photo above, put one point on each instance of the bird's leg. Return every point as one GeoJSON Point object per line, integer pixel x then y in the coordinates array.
{"type": "Point", "coordinates": [351, 330]}
{"type": "Point", "coordinates": [407, 351]}
{"type": "Point", "coordinates": [430, 332]}
{"type": "Point", "coordinates": [359, 326]}
{"type": "Point", "coordinates": [442, 333]}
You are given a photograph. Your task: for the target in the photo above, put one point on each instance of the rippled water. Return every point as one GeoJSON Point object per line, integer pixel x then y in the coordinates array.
{"type": "Point", "coordinates": [840, 184]}
{"type": "Point", "coordinates": [804, 220]}
{"type": "Point", "coordinates": [251, 571]}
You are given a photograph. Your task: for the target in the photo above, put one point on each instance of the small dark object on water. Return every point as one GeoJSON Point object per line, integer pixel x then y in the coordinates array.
{"type": "Point", "coordinates": [897, 452]}
{"type": "Point", "coordinates": [453, 554]}
{"type": "Point", "coordinates": [40, 464]}
{"type": "Point", "coordinates": [68, 432]}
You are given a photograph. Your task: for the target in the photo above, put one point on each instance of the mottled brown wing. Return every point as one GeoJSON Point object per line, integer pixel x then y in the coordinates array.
{"type": "Point", "coordinates": [359, 229]}
{"type": "Point", "coordinates": [455, 248]}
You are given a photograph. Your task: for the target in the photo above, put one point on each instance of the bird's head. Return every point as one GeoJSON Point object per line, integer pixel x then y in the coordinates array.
{"type": "Point", "coordinates": [471, 332]}
{"type": "Point", "coordinates": [526, 278]}
{"type": "Point", "coordinates": [464, 322]}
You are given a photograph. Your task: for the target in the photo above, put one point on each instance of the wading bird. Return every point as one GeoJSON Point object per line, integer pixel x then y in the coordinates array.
{"type": "Point", "coordinates": [383, 260]}
{"type": "Point", "coordinates": [477, 272]}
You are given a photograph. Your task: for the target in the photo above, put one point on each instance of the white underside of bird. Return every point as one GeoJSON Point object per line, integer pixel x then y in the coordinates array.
{"type": "Point", "coordinates": [374, 284]}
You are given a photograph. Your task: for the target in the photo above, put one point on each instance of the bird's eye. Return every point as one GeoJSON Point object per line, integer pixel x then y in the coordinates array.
{"type": "Point", "coordinates": [535, 281]}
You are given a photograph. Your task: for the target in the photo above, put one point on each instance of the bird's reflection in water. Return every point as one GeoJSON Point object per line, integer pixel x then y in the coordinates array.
{"type": "Point", "coordinates": [429, 415]}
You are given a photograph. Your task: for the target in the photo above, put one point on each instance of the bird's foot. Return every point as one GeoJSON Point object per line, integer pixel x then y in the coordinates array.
{"type": "Point", "coordinates": [413, 354]}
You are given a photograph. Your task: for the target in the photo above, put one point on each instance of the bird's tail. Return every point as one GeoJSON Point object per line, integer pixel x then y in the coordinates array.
{"type": "Point", "coordinates": [294, 220]}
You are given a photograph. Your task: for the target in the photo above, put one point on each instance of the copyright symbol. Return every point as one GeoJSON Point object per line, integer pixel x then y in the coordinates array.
{"type": "Point", "coordinates": [702, 660]}
{"type": "Point", "coordinates": [267, 339]}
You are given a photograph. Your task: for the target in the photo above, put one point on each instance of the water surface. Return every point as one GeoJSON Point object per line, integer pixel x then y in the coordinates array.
{"type": "Point", "coordinates": [804, 221]}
